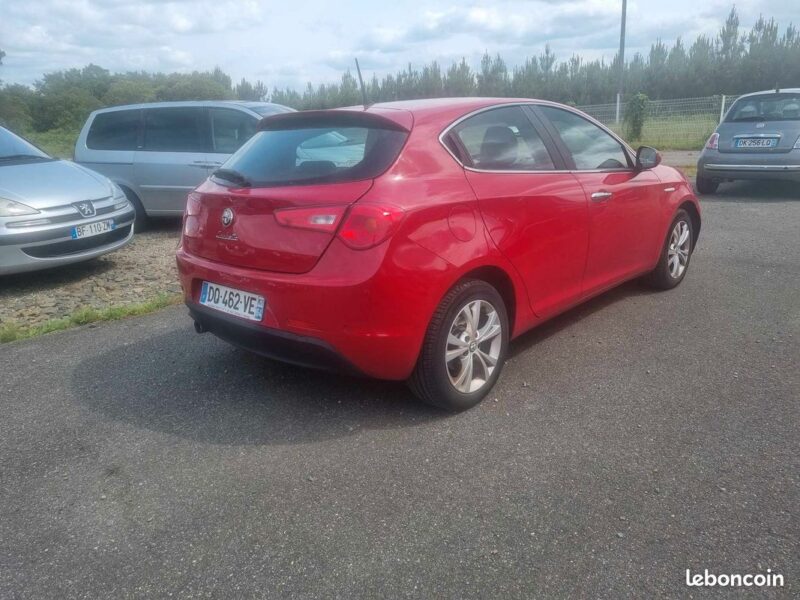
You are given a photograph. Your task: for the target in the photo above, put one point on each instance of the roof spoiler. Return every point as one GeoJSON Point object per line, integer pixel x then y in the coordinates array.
{"type": "Point", "coordinates": [310, 119]}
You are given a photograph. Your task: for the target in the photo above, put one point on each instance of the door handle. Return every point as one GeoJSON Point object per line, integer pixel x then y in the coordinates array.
{"type": "Point", "coordinates": [601, 196]}
{"type": "Point", "coordinates": [669, 189]}
{"type": "Point", "coordinates": [206, 164]}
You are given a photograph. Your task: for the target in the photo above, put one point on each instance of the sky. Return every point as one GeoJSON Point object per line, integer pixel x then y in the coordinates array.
{"type": "Point", "coordinates": [291, 43]}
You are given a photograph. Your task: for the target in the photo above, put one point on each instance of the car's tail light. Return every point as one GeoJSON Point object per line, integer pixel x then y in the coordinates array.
{"type": "Point", "coordinates": [193, 204]}
{"type": "Point", "coordinates": [191, 224]}
{"type": "Point", "coordinates": [713, 141]}
{"type": "Point", "coordinates": [318, 218]}
{"type": "Point", "coordinates": [368, 225]}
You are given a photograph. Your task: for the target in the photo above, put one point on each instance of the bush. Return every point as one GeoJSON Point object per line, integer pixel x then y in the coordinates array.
{"type": "Point", "coordinates": [635, 115]}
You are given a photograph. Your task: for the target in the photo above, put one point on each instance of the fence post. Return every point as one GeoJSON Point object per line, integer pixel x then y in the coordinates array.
{"type": "Point", "coordinates": [722, 109]}
{"type": "Point", "coordinates": [619, 98]}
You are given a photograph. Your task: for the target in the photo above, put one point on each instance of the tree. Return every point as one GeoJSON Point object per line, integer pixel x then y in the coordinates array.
{"type": "Point", "coordinates": [459, 80]}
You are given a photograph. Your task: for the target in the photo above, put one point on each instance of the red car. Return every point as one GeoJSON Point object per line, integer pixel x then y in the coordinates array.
{"type": "Point", "coordinates": [413, 240]}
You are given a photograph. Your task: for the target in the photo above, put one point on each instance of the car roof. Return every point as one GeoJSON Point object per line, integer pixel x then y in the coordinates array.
{"type": "Point", "coordinates": [773, 91]}
{"type": "Point", "coordinates": [437, 109]}
{"type": "Point", "coordinates": [192, 103]}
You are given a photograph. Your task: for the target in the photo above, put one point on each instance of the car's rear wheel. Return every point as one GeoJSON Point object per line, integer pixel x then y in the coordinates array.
{"type": "Point", "coordinates": [706, 185]}
{"type": "Point", "coordinates": [675, 255]}
{"type": "Point", "coordinates": [464, 348]}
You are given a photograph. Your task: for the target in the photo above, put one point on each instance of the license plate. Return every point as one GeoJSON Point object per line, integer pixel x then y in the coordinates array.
{"type": "Point", "coordinates": [756, 143]}
{"type": "Point", "coordinates": [90, 229]}
{"type": "Point", "coordinates": [234, 302]}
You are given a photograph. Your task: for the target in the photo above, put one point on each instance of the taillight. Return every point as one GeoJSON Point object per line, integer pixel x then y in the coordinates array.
{"type": "Point", "coordinates": [713, 141]}
{"type": "Point", "coordinates": [319, 218]}
{"type": "Point", "coordinates": [191, 224]}
{"type": "Point", "coordinates": [368, 225]}
{"type": "Point", "coordinates": [193, 204]}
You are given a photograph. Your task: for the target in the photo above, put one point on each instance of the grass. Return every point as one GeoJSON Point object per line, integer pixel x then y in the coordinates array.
{"type": "Point", "coordinates": [12, 332]}
{"type": "Point", "coordinates": [673, 133]}
{"type": "Point", "coordinates": [56, 142]}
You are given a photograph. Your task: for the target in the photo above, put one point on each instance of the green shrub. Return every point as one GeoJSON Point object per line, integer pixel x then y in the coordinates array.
{"type": "Point", "coordinates": [635, 115]}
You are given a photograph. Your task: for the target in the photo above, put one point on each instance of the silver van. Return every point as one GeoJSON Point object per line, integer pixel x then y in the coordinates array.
{"type": "Point", "coordinates": [158, 152]}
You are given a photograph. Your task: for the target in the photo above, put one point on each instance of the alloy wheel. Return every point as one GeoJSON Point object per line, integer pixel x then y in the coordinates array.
{"type": "Point", "coordinates": [680, 241]}
{"type": "Point", "coordinates": [473, 346]}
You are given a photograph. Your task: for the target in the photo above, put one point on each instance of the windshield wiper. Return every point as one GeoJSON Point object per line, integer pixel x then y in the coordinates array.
{"type": "Point", "coordinates": [232, 176]}
{"type": "Point", "coordinates": [17, 156]}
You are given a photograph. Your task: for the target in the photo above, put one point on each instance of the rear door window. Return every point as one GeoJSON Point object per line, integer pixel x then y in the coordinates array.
{"type": "Point", "coordinates": [503, 139]}
{"type": "Point", "coordinates": [591, 147]}
{"type": "Point", "coordinates": [326, 150]}
{"type": "Point", "coordinates": [180, 129]}
{"type": "Point", "coordinates": [116, 130]}
{"type": "Point", "coordinates": [230, 129]}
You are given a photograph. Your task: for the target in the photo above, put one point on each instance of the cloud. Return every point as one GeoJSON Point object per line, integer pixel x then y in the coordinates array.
{"type": "Point", "coordinates": [122, 35]}
{"type": "Point", "coordinates": [289, 44]}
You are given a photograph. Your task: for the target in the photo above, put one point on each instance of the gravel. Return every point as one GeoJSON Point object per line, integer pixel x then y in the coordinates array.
{"type": "Point", "coordinates": [139, 272]}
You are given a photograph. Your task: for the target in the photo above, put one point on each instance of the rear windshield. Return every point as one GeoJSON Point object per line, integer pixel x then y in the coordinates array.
{"type": "Point", "coordinates": [299, 155]}
{"type": "Point", "coordinates": [766, 107]}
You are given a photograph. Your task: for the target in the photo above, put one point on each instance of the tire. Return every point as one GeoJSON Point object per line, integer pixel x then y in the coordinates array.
{"type": "Point", "coordinates": [140, 222]}
{"type": "Point", "coordinates": [706, 185]}
{"type": "Point", "coordinates": [667, 274]}
{"type": "Point", "coordinates": [434, 379]}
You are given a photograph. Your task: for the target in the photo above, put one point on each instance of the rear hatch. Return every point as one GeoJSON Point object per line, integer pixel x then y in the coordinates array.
{"type": "Point", "coordinates": [762, 124]}
{"type": "Point", "coordinates": [276, 204]}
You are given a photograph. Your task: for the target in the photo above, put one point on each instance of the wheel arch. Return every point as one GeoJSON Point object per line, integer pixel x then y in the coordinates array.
{"type": "Point", "coordinates": [694, 214]}
{"type": "Point", "coordinates": [500, 280]}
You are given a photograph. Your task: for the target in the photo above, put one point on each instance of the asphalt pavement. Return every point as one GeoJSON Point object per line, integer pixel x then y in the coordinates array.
{"type": "Point", "coordinates": [637, 436]}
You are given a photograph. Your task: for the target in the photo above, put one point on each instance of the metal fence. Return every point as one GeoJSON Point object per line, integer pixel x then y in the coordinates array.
{"type": "Point", "coordinates": [682, 123]}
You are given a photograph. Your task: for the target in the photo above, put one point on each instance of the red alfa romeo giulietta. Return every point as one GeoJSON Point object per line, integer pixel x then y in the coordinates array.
{"type": "Point", "coordinates": [412, 240]}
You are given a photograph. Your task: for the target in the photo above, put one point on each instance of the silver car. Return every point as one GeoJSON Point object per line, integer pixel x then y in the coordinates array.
{"type": "Point", "coordinates": [159, 152]}
{"type": "Point", "coordinates": [54, 212]}
{"type": "Point", "coordinates": [758, 139]}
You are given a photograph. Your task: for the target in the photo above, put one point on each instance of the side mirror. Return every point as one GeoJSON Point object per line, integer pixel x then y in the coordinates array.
{"type": "Point", "coordinates": [647, 158]}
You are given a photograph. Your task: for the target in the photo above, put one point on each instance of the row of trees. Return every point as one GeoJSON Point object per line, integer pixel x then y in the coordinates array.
{"type": "Point", "coordinates": [732, 62]}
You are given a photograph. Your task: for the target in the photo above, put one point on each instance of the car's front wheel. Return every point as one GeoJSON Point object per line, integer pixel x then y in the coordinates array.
{"type": "Point", "coordinates": [464, 348]}
{"type": "Point", "coordinates": [706, 185]}
{"type": "Point", "coordinates": [675, 255]}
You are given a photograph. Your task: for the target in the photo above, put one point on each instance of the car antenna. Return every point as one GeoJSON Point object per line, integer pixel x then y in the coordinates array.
{"type": "Point", "coordinates": [361, 83]}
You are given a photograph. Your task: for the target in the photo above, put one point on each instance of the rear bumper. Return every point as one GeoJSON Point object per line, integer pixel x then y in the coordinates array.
{"type": "Point", "coordinates": [718, 165]}
{"type": "Point", "coordinates": [344, 314]}
{"type": "Point", "coordinates": [287, 347]}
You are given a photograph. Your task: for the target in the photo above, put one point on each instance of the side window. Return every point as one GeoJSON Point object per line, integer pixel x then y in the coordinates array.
{"type": "Point", "coordinates": [116, 130]}
{"type": "Point", "coordinates": [591, 147]}
{"type": "Point", "coordinates": [174, 130]}
{"type": "Point", "coordinates": [230, 129]}
{"type": "Point", "coordinates": [503, 139]}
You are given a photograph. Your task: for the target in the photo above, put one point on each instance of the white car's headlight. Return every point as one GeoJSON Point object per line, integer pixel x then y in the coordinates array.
{"type": "Point", "coordinates": [121, 200]}
{"type": "Point", "coordinates": [116, 191]}
{"type": "Point", "coordinates": [9, 208]}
